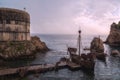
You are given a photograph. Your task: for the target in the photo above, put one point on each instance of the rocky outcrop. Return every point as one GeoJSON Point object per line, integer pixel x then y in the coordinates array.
{"type": "Point", "coordinates": [113, 38]}
{"type": "Point", "coordinates": [14, 50]}
{"type": "Point", "coordinates": [97, 46]}
{"type": "Point", "coordinates": [38, 44]}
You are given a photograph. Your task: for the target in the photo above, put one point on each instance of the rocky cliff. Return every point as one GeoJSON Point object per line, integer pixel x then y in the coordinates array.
{"type": "Point", "coordinates": [14, 50]}
{"type": "Point", "coordinates": [113, 38]}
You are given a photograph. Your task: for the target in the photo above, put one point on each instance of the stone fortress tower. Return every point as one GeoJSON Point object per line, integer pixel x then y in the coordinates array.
{"type": "Point", "coordinates": [14, 25]}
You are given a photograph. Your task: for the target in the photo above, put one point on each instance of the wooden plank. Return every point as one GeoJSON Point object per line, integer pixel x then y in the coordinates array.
{"type": "Point", "coordinates": [29, 68]}
{"type": "Point", "coordinates": [37, 67]}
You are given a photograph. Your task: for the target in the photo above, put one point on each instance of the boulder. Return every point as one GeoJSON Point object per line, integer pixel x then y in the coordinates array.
{"type": "Point", "coordinates": [97, 46]}
{"type": "Point", "coordinates": [115, 52]}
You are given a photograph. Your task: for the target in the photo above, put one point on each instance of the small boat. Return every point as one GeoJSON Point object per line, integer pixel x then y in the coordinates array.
{"type": "Point", "coordinates": [86, 61]}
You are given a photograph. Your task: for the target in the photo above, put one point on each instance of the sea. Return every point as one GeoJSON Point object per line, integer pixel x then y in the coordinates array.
{"type": "Point", "coordinates": [58, 44]}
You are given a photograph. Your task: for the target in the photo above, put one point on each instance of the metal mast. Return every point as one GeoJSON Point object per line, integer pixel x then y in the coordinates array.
{"type": "Point", "coordinates": [79, 40]}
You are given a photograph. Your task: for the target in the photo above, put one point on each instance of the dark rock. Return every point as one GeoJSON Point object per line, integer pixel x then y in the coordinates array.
{"type": "Point", "coordinates": [115, 53]}
{"type": "Point", "coordinates": [39, 45]}
{"type": "Point", "coordinates": [97, 46]}
{"type": "Point", "coordinates": [101, 56]}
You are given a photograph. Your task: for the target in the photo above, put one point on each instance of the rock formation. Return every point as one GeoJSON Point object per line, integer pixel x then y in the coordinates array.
{"type": "Point", "coordinates": [15, 50]}
{"type": "Point", "coordinates": [97, 46]}
{"type": "Point", "coordinates": [114, 37]}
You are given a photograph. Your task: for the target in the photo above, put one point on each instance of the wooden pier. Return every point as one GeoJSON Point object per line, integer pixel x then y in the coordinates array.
{"type": "Point", "coordinates": [37, 68]}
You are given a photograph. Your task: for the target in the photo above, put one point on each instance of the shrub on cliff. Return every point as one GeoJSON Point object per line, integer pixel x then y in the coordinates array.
{"type": "Point", "coordinates": [25, 48]}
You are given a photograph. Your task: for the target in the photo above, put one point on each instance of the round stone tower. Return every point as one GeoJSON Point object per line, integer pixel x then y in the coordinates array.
{"type": "Point", "coordinates": [14, 25]}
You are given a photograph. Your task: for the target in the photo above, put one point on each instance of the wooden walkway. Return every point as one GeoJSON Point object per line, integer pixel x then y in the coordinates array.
{"type": "Point", "coordinates": [36, 68]}
{"type": "Point", "coordinates": [32, 68]}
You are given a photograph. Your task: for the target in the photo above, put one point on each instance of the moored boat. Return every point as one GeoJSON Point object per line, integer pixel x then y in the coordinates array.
{"type": "Point", "coordinates": [86, 61]}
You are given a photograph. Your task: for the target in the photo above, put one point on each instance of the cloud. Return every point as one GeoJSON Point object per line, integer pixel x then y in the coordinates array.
{"type": "Point", "coordinates": [96, 17]}
{"type": "Point", "coordinates": [65, 16]}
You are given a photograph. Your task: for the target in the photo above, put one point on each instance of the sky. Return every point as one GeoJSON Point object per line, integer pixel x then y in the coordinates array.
{"type": "Point", "coordinates": [68, 16]}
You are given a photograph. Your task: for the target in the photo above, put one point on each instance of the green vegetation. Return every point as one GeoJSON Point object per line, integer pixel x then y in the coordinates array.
{"type": "Point", "coordinates": [20, 47]}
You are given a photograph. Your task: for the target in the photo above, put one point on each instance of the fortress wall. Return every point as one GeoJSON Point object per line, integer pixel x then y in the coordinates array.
{"type": "Point", "coordinates": [14, 25]}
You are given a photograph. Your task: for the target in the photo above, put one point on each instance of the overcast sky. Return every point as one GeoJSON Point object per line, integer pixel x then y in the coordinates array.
{"type": "Point", "coordinates": [66, 16]}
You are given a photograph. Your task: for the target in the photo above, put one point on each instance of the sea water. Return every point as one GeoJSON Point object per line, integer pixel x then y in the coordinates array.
{"type": "Point", "coordinates": [109, 70]}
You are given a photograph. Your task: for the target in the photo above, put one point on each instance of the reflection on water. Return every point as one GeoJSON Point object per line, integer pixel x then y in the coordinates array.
{"type": "Point", "coordinates": [63, 74]}
{"type": "Point", "coordinates": [103, 71]}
